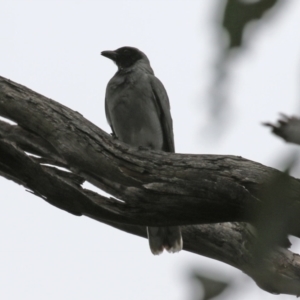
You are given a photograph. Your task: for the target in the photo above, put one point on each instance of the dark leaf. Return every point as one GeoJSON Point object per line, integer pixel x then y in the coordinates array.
{"type": "Point", "coordinates": [211, 287]}
{"type": "Point", "coordinates": [238, 14]}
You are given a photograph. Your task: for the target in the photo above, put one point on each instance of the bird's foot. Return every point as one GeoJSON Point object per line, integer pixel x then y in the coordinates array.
{"type": "Point", "coordinates": [113, 135]}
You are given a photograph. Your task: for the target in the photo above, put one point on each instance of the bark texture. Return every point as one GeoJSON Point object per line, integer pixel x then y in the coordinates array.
{"type": "Point", "coordinates": [153, 188]}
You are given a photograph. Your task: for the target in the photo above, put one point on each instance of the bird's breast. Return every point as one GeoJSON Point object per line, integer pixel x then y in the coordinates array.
{"type": "Point", "coordinates": [133, 113]}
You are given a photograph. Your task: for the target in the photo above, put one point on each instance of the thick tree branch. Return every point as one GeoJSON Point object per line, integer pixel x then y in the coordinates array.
{"type": "Point", "coordinates": [155, 188]}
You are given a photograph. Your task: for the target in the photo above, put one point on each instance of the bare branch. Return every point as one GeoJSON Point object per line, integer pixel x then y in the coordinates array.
{"type": "Point", "coordinates": [287, 128]}
{"type": "Point", "coordinates": [150, 188]}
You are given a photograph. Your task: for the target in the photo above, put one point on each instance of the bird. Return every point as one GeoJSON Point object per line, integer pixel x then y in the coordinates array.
{"type": "Point", "coordinates": [138, 111]}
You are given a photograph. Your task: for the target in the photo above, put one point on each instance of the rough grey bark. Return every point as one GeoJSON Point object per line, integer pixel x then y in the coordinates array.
{"type": "Point", "coordinates": [154, 188]}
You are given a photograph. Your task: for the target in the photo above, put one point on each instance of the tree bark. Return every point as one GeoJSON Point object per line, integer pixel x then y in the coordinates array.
{"type": "Point", "coordinates": [153, 188]}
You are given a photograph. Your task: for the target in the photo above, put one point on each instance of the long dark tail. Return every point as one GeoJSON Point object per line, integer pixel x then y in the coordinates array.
{"type": "Point", "coordinates": [161, 238]}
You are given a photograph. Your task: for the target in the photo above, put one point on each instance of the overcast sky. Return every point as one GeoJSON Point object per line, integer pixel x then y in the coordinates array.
{"type": "Point", "coordinates": [53, 47]}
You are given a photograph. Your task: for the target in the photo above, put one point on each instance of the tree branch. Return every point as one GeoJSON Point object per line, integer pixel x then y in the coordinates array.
{"type": "Point", "coordinates": [150, 187]}
{"type": "Point", "coordinates": [287, 128]}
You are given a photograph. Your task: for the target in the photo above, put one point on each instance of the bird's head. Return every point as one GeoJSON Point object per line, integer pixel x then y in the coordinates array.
{"type": "Point", "coordinates": [125, 57]}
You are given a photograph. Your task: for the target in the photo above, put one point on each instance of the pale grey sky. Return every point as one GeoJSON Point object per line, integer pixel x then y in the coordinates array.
{"type": "Point", "coordinates": [53, 47]}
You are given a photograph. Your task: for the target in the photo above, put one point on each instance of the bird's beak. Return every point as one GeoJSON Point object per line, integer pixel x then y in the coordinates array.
{"type": "Point", "coordinates": [110, 54]}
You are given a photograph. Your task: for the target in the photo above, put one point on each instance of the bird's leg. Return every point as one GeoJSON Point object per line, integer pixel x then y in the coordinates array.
{"type": "Point", "coordinates": [113, 135]}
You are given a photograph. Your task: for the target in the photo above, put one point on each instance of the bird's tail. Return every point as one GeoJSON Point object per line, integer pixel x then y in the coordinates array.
{"type": "Point", "coordinates": [161, 238]}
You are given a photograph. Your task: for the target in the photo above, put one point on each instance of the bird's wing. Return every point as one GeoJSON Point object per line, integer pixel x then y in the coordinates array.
{"type": "Point", "coordinates": [163, 107]}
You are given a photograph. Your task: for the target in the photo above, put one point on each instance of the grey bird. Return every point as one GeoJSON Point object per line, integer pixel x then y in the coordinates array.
{"type": "Point", "coordinates": [138, 111]}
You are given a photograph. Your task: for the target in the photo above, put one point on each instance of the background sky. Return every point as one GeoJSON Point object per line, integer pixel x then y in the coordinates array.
{"type": "Point", "coordinates": [53, 47]}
